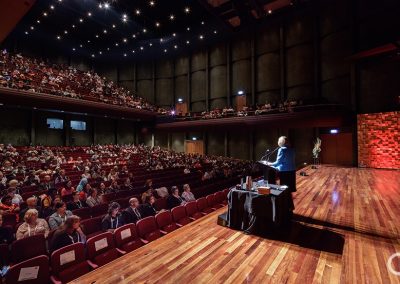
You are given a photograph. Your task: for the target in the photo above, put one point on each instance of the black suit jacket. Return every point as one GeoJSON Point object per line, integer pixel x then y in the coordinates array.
{"type": "Point", "coordinates": [130, 216]}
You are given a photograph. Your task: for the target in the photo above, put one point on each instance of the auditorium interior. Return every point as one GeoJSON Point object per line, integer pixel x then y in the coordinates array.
{"type": "Point", "coordinates": [199, 141]}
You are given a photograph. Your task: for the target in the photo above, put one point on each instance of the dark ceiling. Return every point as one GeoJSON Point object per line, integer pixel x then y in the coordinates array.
{"type": "Point", "coordinates": [139, 29]}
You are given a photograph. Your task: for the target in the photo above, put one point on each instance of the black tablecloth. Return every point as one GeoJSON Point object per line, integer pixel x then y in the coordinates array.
{"type": "Point", "coordinates": [256, 213]}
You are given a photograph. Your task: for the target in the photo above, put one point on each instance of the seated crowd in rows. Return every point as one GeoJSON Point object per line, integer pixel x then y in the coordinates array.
{"type": "Point", "coordinates": [47, 169]}
{"type": "Point", "coordinates": [35, 75]}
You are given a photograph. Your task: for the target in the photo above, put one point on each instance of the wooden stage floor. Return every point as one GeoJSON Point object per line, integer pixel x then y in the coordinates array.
{"type": "Point", "coordinates": [347, 225]}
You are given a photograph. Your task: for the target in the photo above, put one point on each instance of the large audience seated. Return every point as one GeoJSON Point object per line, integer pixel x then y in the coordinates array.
{"type": "Point", "coordinates": [35, 75]}
{"type": "Point", "coordinates": [70, 195]}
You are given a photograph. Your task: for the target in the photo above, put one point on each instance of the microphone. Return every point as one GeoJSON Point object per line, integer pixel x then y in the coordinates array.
{"type": "Point", "coordinates": [269, 155]}
{"type": "Point", "coordinates": [265, 154]}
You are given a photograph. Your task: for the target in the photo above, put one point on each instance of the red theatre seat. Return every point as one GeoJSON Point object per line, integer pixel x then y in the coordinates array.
{"type": "Point", "coordinates": [101, 249]}
{"type": "Point", "coordinates": [27, 248]}
{"type": "Point", "coordinates": [32, 271]}
{"type": "Point", "coordinates": [203, 207]}
{"type": "Point", "coordinates": [68, 263]}
{"type": "Point", "coordinates": [213, 202]}
{"type": "Point", "coordinates": [92, 227]}
{"type": "Point", "coordinates": [84, 213]}
{"type": "Point", "coordinates": [179, 215]}
{"type": "Point", "coordinates": [148, 230]}
{"type": "Point", "coordinates": [126, 238]}
{"type": "Point", "coordinates": [160, 203]}
{"type": "Point", "coordinates": [5, 254]}
{"type": "Point", "coordinates": [191, 210]}
{"type": "Point", "coordinates": [165, 222]}
{"type": "Point", "coordinates": [99, 210]}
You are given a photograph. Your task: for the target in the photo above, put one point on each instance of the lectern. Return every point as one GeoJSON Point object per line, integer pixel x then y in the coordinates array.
{"type": "Point", "coordinates": [269, 172]}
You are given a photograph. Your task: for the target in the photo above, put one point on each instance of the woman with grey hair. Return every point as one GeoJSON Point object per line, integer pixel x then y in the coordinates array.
{"type": "Point", "coordinates": [32, 225]}
{"type": "Point", "coordinates": [187, 194]}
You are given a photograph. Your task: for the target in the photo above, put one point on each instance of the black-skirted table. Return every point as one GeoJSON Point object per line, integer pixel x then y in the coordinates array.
{"type": "Point", "coordinates": [256, 213]}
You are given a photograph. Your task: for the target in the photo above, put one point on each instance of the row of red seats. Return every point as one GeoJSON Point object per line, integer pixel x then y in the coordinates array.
{"type": "Point", "coordinates": [71, 262]}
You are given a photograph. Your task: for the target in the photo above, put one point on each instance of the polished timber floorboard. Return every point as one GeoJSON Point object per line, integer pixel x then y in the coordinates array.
{"type": "Point", "coordinates": [347, 225]}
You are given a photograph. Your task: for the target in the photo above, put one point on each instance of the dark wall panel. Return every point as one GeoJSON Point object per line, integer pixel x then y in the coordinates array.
{"type": "Point", "coordinates": [198, 61]}
{"type": "Point", "coordinates": [304, 92]}
{"type": "Point", "coordinates": [299, 65]}
{"type": "Point", "coordinates": [178, 140]}
{"type": "Point", "coordinates": [181, 87]}
{"type": "Point", "coordinates": [198, 86]}
{"type": "Point", "coordinates": [215, 143]}
{"type": "Point", "coordinates": [104, 131]}
{"type": "Point", "coordinates": [14, 127]}
{"type": "Point", "coordinates": [126, 72]}
{"type": "Point", "coordinates": [337, 91]}
{"type": "Point", "coordinates": [268, 39]}
{"type": "Point", "coordinates": [268, 72]}
{"type": "Point", "coordinates": [46, 136]}
{"type": "Point", "coordinates": [241, 49]}
{"type": "Point", "coordinates": [218, 55]}
{"type": "Point", "coordinates": [145, 89]}
{"type": "Point", "coordinates": [268, 97]}
{"type": "Point", "coordinates": [241, 76]}
{"type": "Point", "coordinates": [161, 139]}
{"type": "Point", "coordinates": [239, 145]}
{"type": "Point", "coordinates": [298, 29]}
{"type": "Point", "coordinates": [264, 139]}
{"type": "Point", "coordinates": [126, 132]}
{"type": "Point", "coordinates": [82, 137]}
{"type": "Point", "coordinates": [144, 70]}
{"type": "Point", "coordinates": [198, 106]}
{"type": "Point", "coordinates": [181, 65]}
{"type": "Point", "coordinates": [165, 69]}
{"type": "Point", "coordinates": [164, 92]}
{"type": "Point", "coordinates": [218, 82]}
{"type": "Point", "coordinates": [218, 103]}
{"type": "Point", "coordinates": [334, 15]}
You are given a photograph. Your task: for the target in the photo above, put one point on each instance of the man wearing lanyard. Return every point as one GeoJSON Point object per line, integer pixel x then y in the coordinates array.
{"type": "Point", "coordinates": [134, 212]}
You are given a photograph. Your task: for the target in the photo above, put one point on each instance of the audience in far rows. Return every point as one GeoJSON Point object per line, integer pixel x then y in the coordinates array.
{"type": "Point", "coordinates": [35, 75]}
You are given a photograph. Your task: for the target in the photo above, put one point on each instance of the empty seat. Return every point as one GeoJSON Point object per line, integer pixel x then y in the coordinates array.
{"type": "Point", "coordinates": [32, 271]}
{"type": "Point", "coordinates": [28, 247]}
{"type": "Point", "coordinates": [148, 230]}
{"type": "Point", "coordinates": [165, 222]}
{"type": "Point", "coordinates": [160, 203]}
{"type": "Point", "coordinates": [179, 215]}
{"type": "Point", "coordinates": [101, 249]}
{"type": "Point", "coordinates": [220, 197]}
{"type": "Point", "coordinates": [99, 210]}
{"type": "Point", "coordinates": [126, 238]}
{"type": "Point", "coordinates": [192, 211]}
{"type": "Point", "coordinates": [84, 213]}
{"type": "Point", "coordinates": [212, 202]}
{"type": "Point", "coordinates": [92, 227]}
{"type": "Point", "coordinates": [9, 220]}
{"type": "Point", "coordinates": [68, 263]}
{"type": "Point", "coordinates": [203, 206]}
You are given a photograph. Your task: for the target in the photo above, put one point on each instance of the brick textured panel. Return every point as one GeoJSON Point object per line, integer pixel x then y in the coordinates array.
{"type": "Point", "coordinates": [378, 140]}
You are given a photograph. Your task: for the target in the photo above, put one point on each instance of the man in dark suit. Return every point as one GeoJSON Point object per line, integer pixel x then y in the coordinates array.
{"type": "Point", "coordinates": [134, 212]}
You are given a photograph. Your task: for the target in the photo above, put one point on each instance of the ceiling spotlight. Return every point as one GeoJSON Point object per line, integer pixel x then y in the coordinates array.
{"type": "Point", "coordinates": [144, 30]}
{"type": "Point", "coordinates": [269, 11]}
{"type": "Point", "coordinates": [116, 44]}
{"type": "Point", "coordinates": [38, 21]}
{"type": "Point", "coordinates": [65, 32]}
{"type": "Point", "coordinates": [32, 28]}
{"type": "Point", "coordinates": [124, 54]}
{"type": "Point", "coordinates": [92, 55]}
{"type": "Point", "coordinates": [114, 26]}
{"type": "Point", "coordinates": [134, 36]}
{"type": "Point", "coordinates": [73, 49]}
{"type": "Point", "coordinates": [45, 14]}
{"type": "Point", "coordinates": [150, 44]}
{"type": "Point", "coordinates": [161, 40]}
{"type": "Point", "coordinates": [133, 51]}
{"type": "Point", "coordinates": [188, 28]}
{"type": "Point", "coordinates": [157, 24]}
{"type": "Point", "coordinates": [106, 5]}
{"type": "Point", "coordinates": [108, 48]}
{"type": "Point", "coordinates": [100, 52]}
{"type": "Point", "coordinates": [187, 10]}
{"type": "Point", "coordinates": [26, 33]}
{"type": "Point", "coordinates": [81, 20]}
{"type": "Point", "coordinates": [101, 6]}
{"type": "Point", "coordinates": [152, 3]}
{"type": "Point", "coordinates": [141, 48]}
{"type": "Point", "coordinates": [202, 22]}
{"type": "Point", "coordinates": [60, 1]}
{"type": "Point", "coordinates": [88, 41]}
{"type": "Point", "coordinates": [124, 40]}
{"type": "Point", "coordinates": [187, 42]}
{"type": "Point", "coordinates": [80, 45]}
{"type": "Point", "coordinates": [174, 34]}
{"type": "Point", "coordinates": [137, 12]}
{"type": "Point", "coordinates": [51, 7]}
{"type": "Point", "coordinates": [105, 31]}
{"type": "Point", "coordinates": [89, 14]}
{"type": "Point", "coordinates": [165, 50]}
{"type": "Point", "coordinates": [124, 20]}
{"type": "Point", "coordinates": [201, 37]}
{"type": "Point", "coordinates": [97, 36]}
{"type": "Point", "coordinates": [172, 17]}
{"type": "Point", "coordinates": [215, 32]}
{"type": "Point", "coordinates": [73, 26]}
{"type": "Point", "coordinates": [175, 46]}
{"type": "Point", "coordinates": [58, 37]}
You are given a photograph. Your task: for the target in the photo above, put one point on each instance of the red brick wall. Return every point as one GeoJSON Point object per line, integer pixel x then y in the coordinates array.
{"type": "Point", "coordinates": [378, 140]}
